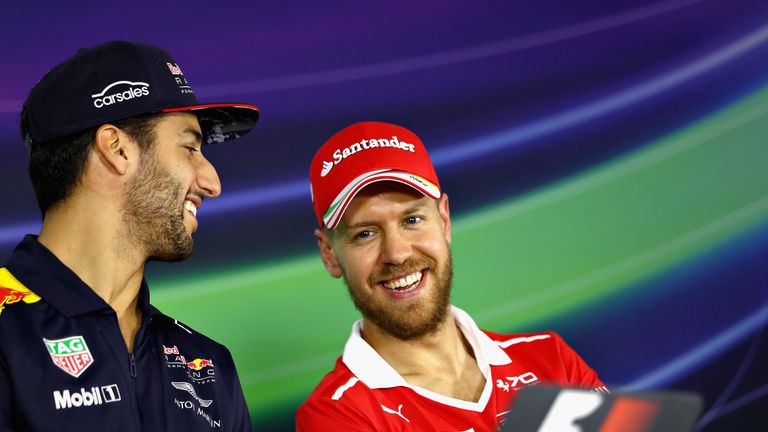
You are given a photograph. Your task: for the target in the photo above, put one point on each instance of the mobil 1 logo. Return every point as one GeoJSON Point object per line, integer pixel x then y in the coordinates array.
{"type": "Point", "coordinates": [94, 396]}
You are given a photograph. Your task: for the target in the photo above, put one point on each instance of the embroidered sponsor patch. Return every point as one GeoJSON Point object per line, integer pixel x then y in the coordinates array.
{"type": "Point", "coordinates": [202, 407]}
{"type": "Point", "coordinates": [70, 354]}
{"type": "Point", "coordinates": [189, 388]}
{"type": "Point", "coordinates": [12, 291]}
{"type": "Point", "coordinates": [200, 370]}
{"type": "Point", "coordinates": [199, 363]}
{"type": "Point", "coordinates": [65, 399]}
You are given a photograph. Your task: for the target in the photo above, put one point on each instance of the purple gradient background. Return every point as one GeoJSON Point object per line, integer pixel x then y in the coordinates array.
{"type": "Point", "coordinates": [454, 71]}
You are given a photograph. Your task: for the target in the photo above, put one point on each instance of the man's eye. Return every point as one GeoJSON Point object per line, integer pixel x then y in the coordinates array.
{"type": "Point", "coordinates": [191, 149]}
{"type": "Point", "coordinates": [363, 234]}
{"type": "Point", "coordinates": [412, 220]}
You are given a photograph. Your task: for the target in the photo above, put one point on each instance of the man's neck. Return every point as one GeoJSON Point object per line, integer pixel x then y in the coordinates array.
{"type": "Point", "coordinates": [101, 259]}
{"type": "Point", "coordinates": [442, 362]}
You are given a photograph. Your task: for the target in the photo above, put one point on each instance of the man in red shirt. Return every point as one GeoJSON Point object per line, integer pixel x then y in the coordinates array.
{"type": "Point", "coordinates": [414, 362]}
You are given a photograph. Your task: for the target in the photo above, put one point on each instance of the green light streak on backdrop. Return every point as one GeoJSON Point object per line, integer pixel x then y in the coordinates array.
{"type": "Point", "coordinates": [516, 262]}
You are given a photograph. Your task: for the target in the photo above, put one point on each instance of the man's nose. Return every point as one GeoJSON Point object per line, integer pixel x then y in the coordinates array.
{"type": "Point", "coordinates": [208, 179]}
{"type": "Point", "coordinates": [396, 248]}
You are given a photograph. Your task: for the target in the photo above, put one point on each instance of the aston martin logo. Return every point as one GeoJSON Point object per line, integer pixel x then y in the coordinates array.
{"type": "Point", "coordinates": [187, 387]}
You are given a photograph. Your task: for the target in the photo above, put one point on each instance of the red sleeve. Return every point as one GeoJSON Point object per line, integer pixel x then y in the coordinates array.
{"type": "Point", "coordinates": [321, 415]}
{"type": "Point", "coordinates": [578, 373]}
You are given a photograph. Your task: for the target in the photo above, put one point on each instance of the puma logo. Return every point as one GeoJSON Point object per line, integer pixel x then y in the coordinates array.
{"type": "Point", "coordinates": [398, 412]}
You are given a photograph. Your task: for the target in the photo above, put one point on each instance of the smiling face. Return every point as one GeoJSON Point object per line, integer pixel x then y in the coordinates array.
{"type": "Point", "coordinates": [392, 249]}
{"type": "Point", "coordinates": [162, 198]}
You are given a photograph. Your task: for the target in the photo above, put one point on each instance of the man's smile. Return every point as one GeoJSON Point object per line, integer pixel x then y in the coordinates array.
{"type": "Point", "coordinates": [403, 283]}
{"type": "Point", "coordinates": [406, 286]}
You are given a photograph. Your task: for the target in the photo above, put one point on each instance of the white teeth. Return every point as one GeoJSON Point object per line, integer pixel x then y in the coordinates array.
{"type": "Point", "coordinates": [409, 280]}
{"type": "Point", "coordinates": [190, 207]}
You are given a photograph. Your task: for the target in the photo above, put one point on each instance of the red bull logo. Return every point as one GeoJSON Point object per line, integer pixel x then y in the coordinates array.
{"type": "Point", "coordinates": [199, 363]}
{"type": "Point", "coordinates": [174, 68]}
{"type": "Point", "coordinates": [11, 296]}
{"type": "Point", "coordinates": [12, 291]}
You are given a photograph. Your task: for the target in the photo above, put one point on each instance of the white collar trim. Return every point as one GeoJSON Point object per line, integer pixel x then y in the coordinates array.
{"type": "Point", "coordinates": [375, 372]}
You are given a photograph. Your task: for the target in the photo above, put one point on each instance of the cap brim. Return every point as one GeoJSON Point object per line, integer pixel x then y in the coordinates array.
{"type": "Point", "coordinates": [339, 205]}
{"type": "Point", "coordinates": [222, 121]}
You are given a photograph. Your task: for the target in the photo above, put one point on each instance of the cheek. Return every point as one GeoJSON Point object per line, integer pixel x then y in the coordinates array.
{"type": "Point", "coordinates": [184, 179]}
{"type": "Point", "coordinates": [435, 246]}
{"type": "Point", "coordinates": [184, 173]}
{"type": "Point", "coordinates": [181, 168]}
{"type": "Point", "coordinates": [357, 266]}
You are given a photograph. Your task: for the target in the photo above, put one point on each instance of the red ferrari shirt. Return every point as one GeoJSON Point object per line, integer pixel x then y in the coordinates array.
{"type": "Point", "coordinates": [364, 393]}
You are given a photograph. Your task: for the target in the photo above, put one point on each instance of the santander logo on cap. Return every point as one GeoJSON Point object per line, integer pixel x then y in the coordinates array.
{"type": "Point", "coordinates": [361, 154]}
{"type": "Point", "coordinates": [342, 153]}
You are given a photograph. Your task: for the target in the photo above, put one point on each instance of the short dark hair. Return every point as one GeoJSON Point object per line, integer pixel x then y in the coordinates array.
{"type": "Point", "coordinates": [56, 166]}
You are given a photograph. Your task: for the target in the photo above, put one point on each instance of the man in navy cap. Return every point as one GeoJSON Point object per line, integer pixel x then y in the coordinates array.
{"type": "Point", "coordinates": [115, 136]}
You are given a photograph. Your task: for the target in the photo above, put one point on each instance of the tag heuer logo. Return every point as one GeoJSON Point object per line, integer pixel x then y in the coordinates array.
{"type": "Point", "coordinates": [70, 354]}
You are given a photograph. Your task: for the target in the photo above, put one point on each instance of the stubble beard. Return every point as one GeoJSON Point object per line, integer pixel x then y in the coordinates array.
{"type": "Point", "coordinates": [154, 218]}
{"type": "Point", "coordinates": [410, 319]}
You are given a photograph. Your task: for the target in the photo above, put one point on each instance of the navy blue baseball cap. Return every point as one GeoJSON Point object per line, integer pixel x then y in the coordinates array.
{"type": "Point", "coordinates": [118, 80]}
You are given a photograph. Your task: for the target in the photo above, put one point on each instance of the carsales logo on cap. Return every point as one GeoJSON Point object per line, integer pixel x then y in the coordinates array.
{"type": "Point", "coordinates": [342, 153]}
{"type": "Point", "coordinates": [120, 91]}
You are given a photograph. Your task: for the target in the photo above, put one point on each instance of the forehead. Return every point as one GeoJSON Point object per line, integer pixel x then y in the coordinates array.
{"type": "Point", "coordinates": [382, 199]}
{"type": "Point", "coordinates": [179, 125]}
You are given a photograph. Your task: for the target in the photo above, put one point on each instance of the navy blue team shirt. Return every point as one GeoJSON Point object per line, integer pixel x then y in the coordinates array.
{"type": "Point", "coordinates": [64, 364]}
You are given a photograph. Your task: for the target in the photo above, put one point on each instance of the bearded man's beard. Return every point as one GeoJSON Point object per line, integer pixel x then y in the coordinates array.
{"type": "Point", "coordinates": [409, 319]}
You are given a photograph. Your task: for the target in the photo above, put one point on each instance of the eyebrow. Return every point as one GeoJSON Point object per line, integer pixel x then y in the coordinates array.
{"type": "Point", "coordinates": [196, 134]}
{"type": "Point", "coordinates": [412, 209]}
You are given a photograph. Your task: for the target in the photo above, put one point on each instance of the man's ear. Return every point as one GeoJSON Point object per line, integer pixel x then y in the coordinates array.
{"type": "Point", "coordinates": [115, 149]}
{"type": "Point", "coordinates": [328, 255]}
{"type": "Point", "coordinates": [445, 216]}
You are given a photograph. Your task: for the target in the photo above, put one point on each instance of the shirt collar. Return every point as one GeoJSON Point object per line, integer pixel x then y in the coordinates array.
{"type": "Point", "coordinates": [44, 274]}
{"type": "Point", "coordinates": [370, 368]}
